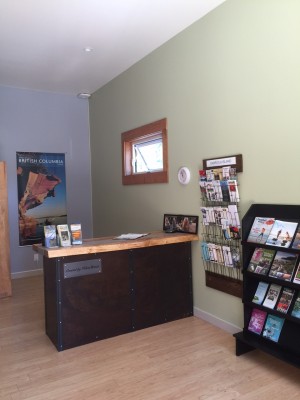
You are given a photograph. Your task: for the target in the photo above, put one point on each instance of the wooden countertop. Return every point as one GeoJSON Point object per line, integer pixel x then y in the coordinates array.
{"type": "Point", "coordinates": [105, 244]}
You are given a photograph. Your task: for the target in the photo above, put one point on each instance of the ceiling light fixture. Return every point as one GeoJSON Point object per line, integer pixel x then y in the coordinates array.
{"type": "Point", "coordinates": [88, 49]}
{"type": "Point", "coordinates": [83, 95]}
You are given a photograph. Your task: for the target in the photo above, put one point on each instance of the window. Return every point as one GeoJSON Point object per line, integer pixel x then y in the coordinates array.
{"type": "Point", "coordinates": [145, 154]}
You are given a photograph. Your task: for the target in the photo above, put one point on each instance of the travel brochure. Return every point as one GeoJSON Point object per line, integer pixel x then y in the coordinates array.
{"type": "Point", "coordinates": [220, 254]}
{"type": "Point", "coordinates": [260, 292]}
{"type": "Point", "coordinates": [296, 241]}
{"type": "Point", "coordinates": [278, 298]}
{"type": "Point", "coordinates": [274, 232]}
{"type": "Point", "coordinates": [282, 233]}
{"type": "Point", "coordinates": [281, 265]}
{"type": "Point", "coordinates": [257, 321]}
{"type": "Point", "coordinates": [273, 327]}
{"type": "Point", "coordinates": [219, 184]}
{"type": "Point", "coordinates": [267, 325]}
{"type": "Point", "coordinates": [62, 235]}
{"type": "Point", "coordinates": [226, 218]}
{"type": "Point", "coordinates": [272, 296]}
{"type": "Point", "coordinates": [296, 309]}
{"type": "Point", "coordinates": [260, 230]}
{"type": "Point", "coordinates": [261, 260]}
{"type": "Point", "coordinates": [285, 300]}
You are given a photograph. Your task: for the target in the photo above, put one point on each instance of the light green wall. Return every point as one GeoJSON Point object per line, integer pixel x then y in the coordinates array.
{"type": "Point", "coordinates": [228, 84]}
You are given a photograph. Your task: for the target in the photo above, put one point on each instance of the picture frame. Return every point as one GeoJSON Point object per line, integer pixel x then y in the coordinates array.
{"type": "Point", "coordinates": [181, 223]}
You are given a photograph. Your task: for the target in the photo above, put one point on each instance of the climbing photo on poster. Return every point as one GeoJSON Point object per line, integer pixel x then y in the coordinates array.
{"type": "Point", "coordinates": [42, 201]}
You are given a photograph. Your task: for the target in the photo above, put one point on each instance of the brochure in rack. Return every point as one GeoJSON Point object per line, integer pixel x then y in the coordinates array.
{"type": "Point", "coordinates": [260, 292]}
{"type": "Point", "coordinates": [272, 296]}
{"type": "Point", "coordinates": [260, 230]}
{"type": "Point", "coordinates": [296, 241]}
{"type": "Point", "coordinates": [282, 233]}
{"type": "Point", "coordinates": [285, 300]}
{"type": "Point", "coordinates": [297, 275]}
{"type": "Point", "coordinates": [261, 260]}
{"type": "Point", "coordinates": [283, 265]}
{"type": "Point", "coordinates": [257, 321]}
{"type": "Point", "coordinates": [296, 309]}
{"type": "Point", "coordinates": [273, 327]}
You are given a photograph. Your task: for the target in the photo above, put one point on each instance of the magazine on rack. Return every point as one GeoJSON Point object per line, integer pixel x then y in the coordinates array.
{"type": "Point", "coordinates": [283, 265]}
{"type": "Point", "coordinates": [272, 296]}
{"type": "Point", "coordinates": [273, 327]}
{"type": "Point", "coordinates": [233, 191]}
{"type": "Point", "coordinates": [285, 300]}
{"type": "Point", "coordinates": [282, 233]}
{"type": "Point", "coordinates": [257, 321]}
{"type": "Point", "coordinates": [296, 241]}
{"type": "Point", "coordinates": [296, 309]}
{"type": "Point", "coordinates": [297, 275]}
{"type": "Point", "coordinates": [260, 292]}
{"type": "Point", "coordinates": [260, 229]}
{"type": "Point", "coordinates": [261, 260]}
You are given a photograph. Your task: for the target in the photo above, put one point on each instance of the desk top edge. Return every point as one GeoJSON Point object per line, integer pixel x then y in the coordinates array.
{"type": "Point", "coordinates": [109, 243]}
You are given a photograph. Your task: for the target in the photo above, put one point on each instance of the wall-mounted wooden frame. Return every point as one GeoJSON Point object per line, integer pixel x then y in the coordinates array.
{"type": "Point", "coordinates": [149, 131]}
{"type": "Point", "coordinates": [235, 161]}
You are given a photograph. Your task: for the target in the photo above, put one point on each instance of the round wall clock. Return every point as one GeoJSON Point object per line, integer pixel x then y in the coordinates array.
{"type": "Point", "coordinates": [184, 175]}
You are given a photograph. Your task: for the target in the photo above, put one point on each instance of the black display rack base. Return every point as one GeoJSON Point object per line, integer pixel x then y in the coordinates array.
{"type": "Point", "coordinates": [246, 343]}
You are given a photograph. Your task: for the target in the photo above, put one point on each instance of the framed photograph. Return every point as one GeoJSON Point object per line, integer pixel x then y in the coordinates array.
{"type": "Point", "coordinates": [181, 223]}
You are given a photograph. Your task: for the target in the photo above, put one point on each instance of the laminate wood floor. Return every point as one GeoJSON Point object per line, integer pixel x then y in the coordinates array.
{"type": "Point", "coordinates": [187, 359]}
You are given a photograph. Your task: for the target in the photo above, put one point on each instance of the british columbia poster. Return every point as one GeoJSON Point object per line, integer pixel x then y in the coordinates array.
{"type": "Point", "coordinates": [42, 201]}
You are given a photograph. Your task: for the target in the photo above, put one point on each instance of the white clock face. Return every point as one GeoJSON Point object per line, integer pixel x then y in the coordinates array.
{"type": "Point", "coordinates": [184, 175]}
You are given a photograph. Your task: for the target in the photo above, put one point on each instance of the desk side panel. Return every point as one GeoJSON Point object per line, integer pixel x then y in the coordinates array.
{"type": "Point", "coordinates": [162, 284]}
{"type": "Point", "coordinates": [96, 306]}
{"type": "Point", "coordinates": [51, 300]}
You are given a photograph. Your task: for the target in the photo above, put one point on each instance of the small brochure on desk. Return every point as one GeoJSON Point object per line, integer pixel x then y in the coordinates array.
{"type": "Point", "coordinates": [131, 235]}
{"type": "Point", "coordinates": [76, 233]}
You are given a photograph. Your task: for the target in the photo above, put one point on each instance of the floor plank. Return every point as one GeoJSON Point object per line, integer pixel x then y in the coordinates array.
{"type": "Point", "coordinates": [187, 359]}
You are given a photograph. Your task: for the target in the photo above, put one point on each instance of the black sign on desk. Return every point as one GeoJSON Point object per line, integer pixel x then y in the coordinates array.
{"type": "Point", "coordinates": [81, 268]}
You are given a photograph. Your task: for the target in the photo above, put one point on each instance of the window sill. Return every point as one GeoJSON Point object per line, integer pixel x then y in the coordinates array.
{"type": "Point", "coordinates": [149, 177]}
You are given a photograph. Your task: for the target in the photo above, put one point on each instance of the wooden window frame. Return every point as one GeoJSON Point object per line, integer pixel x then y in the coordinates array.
{"type": "Point", "coordinates": [137, 135]}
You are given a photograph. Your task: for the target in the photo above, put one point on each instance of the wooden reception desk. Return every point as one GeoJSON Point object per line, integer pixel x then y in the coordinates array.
{"type": "Point", "coordinates": [106, 287]}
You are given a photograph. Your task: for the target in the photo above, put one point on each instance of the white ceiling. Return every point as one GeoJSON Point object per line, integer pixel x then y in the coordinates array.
{"type": "Point", "coordinates": [42, 42]}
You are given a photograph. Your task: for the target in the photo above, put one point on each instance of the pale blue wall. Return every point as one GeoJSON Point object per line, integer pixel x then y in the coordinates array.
{"type": "Point", "coordinates": [45, 122]}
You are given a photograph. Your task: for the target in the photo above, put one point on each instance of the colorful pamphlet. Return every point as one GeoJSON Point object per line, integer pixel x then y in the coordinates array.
{"type": "Point", "coordinates": [285, 300]}
{"type": "Point", "coordinates": [260, 229]}
{"type": "Point", "coordinates": [260, 292]}
{"type": "Point", "coordinates": [272, 296]}
{"type": "Point", "coordinates": [296, 309]}
{"type": "Point", "coordinates": [273, 327]}
{"type": "Point", "coordinates": [283, 265]}
{"type": "Point", "coordinates": [50, 236]}
{"type": "Point", "coordinates": [282, 233]}
{"type": "Point", "coordinates": [64, 235]}
{"type": "Point", "coordinates": [261, 260]}
{"type": "Point", "coordinates": [76, 233]}
{"type": "Point", "coordinates": [257, 321]}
